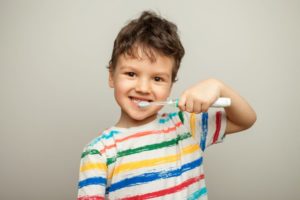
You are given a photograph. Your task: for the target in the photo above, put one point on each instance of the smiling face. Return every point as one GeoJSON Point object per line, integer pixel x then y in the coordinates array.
{"type": "Point", "coordinates": [140, 79]}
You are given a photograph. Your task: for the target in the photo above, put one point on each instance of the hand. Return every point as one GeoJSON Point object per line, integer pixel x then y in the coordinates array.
{"type": "Point", "coordinates": [200, 97]}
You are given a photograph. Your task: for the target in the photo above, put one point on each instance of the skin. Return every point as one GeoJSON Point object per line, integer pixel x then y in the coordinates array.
{"type": "Point", "coordinates": [139, 78]}
{"type": "Point", "coordinates": [198, 98]}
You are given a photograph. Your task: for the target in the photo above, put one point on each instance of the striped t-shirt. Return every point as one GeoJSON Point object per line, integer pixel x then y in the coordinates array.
{"type": "Point", "coordinates": [159, 160]}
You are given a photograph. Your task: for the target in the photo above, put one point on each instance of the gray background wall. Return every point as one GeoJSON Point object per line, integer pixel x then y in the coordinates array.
{"type": "Point", "coordinates": [55, 97]}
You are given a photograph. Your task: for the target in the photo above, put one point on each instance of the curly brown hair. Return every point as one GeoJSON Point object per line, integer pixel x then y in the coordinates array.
{"type": "Point", "coordinates": [149, 32]}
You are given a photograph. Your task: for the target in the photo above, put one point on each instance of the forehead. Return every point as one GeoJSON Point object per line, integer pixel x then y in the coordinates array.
{"type": "Point", "coordinates": [146, 58]}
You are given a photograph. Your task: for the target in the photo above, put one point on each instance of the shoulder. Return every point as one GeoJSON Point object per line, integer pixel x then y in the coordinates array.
{"type": "Point", "coordinates": [102, 139]}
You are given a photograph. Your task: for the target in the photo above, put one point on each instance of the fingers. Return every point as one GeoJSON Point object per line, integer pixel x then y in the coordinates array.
{"type": "Point", "coordinates": [201, 96]}
{"type": "Point", "coordinates": [182, 102]}
{"type": "Point", "coordinates": [197, 107]}
{"type": "Point", "coordinates": [189, 105]}
{"type": "Point", "coordinates": [193, 104]}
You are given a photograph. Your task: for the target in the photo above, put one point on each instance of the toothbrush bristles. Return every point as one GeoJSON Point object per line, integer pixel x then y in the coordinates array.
{"type": "Point", "coordinates": [144, 104]}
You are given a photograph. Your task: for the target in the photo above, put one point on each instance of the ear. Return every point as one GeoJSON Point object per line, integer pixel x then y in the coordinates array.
{"type": "Point", "coordinates": [110, 79]}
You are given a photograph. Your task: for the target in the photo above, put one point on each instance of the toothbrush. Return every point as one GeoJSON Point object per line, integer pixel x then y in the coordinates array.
{"type": "Point", "coordinates": [221, 102]}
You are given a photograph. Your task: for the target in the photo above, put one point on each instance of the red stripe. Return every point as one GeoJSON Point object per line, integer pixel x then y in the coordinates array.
{"type": "Point", "coordinates": [168, 190]}
{"type": "Point", "coordinates": [91, 198]}
{"type": "Point", "coordinates": [218, 126]}
{"type": "Point", "coordinates": [140, 134]}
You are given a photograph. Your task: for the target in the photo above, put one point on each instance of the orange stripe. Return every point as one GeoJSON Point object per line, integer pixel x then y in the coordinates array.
{"type": "Point", "coordinates": [140, 134]}
{"type": "Point", "coordinates": [108, 147]}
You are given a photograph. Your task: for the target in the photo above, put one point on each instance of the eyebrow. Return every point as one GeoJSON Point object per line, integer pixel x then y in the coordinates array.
{"type": "Point", "coordinates": [128, 67]}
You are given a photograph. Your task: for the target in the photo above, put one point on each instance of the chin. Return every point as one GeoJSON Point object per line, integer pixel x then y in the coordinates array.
{"type": "Point", "coordinates": [143, 116]}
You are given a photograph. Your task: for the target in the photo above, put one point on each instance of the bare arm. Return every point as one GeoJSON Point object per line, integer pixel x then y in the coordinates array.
{"type": "Point", "coordinates": [201, 96]}
{"type": "Point", "coordinates": [240, 115]}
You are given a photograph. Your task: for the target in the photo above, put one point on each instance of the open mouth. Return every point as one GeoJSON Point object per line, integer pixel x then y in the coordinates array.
{"type": "Point", "coordinates": [138, 100]}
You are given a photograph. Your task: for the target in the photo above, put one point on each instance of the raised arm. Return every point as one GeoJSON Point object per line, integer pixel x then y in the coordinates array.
{"type": "Point", "coordinates": [201, 96]}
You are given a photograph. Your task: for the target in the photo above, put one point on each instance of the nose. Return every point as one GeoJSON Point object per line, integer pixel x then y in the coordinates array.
{"type": "Point", "coordinates": [143, 86]}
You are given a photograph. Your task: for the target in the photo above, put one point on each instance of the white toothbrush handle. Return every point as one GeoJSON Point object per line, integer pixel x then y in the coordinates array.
{"type": "Point", "coordinates": [222, 102]}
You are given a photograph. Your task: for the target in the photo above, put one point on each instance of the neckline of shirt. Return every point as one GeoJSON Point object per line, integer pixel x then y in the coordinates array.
{"type": "Point", "coordinates": [139, 127]}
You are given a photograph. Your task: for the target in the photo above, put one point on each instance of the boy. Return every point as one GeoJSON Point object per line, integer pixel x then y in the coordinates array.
{"type": "Point", "coordinates": [149, 155]}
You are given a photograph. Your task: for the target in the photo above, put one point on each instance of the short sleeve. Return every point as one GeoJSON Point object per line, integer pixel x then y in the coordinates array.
{"type": "Point", "coordinates": [207, 128]}
{"type": "Point", "coordinates": [92, 175]}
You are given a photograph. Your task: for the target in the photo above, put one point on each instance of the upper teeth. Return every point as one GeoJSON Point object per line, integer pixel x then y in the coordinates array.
{"type": "Point", "coordinates": [137, 100]}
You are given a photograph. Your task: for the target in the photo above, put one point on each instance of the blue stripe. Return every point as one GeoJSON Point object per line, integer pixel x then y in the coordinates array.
{"type": "Point", "coordinates": [92, 181]}
{"type": "Point", "coordinates": [110, 134]}
{"type": "Point", "coordinates": [148, 177]}
{"type": "Point", "coordinates": [198, 194]}
{"type": "Point", "coordinates": [104, 136]}
{"type": "Point", "coordinates": [170, 116]}
{"type": "Point", "coordinates": [204, 127]}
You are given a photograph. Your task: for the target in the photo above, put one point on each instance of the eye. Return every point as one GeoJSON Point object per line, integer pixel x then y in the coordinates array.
{"type": "Point", "coordinates": [158, 79]}
{"type": "Point", "coordinates": [131, 74]}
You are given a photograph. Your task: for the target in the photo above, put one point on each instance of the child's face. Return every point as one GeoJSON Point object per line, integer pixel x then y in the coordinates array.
{"type": "Point", "coordinates": [139, 79]}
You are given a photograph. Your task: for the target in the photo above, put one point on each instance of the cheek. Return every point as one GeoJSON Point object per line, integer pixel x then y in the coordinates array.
{"type": "Point", "coordinates": [120, 93]}
{"type": "Point", "coordinates": [122, 88]}
{"type": "Point", "coordinates": [163, 92]}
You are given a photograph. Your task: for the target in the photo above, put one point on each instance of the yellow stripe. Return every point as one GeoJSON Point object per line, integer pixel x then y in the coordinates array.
{"type": "Point", "coordinates": [90, 166]}
{"type": "Point", "coordinates": [156, 161]}
{"type": "Point", "coordinates": [193, 124]}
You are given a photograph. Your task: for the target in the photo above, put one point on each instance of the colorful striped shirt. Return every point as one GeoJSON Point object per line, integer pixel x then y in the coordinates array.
{"type": "Point", "coordinates": [159, 160]}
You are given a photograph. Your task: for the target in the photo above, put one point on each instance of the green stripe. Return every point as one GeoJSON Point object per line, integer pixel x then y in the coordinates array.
{"type": "Point", "coordinates": [181, 116]}
{"type": "Point", "coordinates": [149, 147]}
{"type": "Point", "coordinates": [90, 152]}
